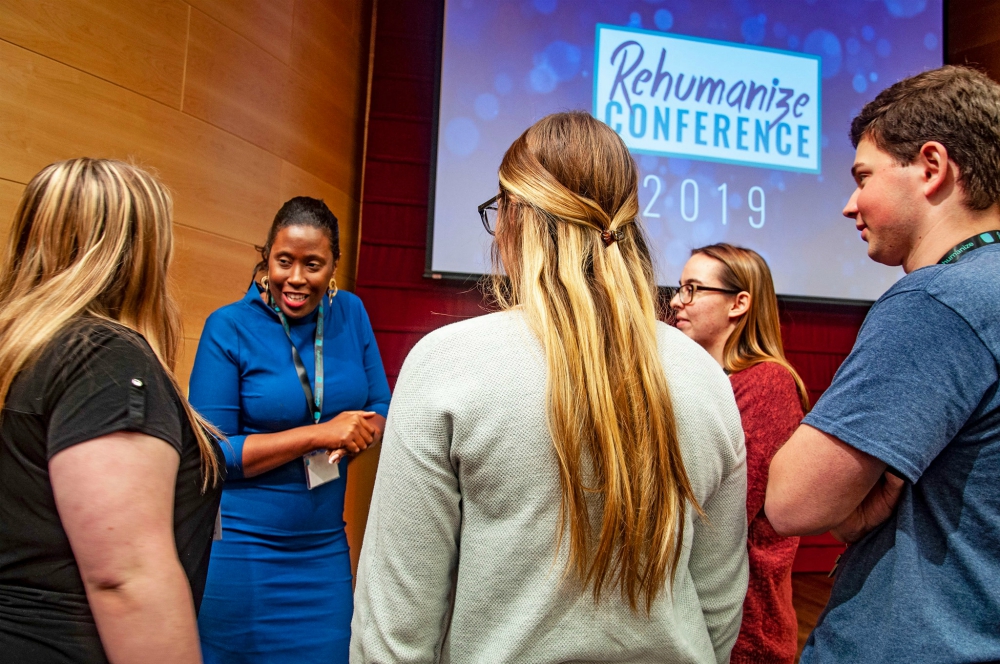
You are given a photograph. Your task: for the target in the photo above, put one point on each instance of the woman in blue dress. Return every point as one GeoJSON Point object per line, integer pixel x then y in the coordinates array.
{"type": "Point", "coordinates": [279, 582]}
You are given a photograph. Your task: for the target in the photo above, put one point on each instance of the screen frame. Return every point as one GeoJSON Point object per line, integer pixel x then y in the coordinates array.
{"type": "Point", "coordinates": [468, 277]}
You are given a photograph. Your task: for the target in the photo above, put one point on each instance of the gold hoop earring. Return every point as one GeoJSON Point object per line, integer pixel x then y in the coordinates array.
{"type": "Point", "coordinates": [331, 291]}
{"type": "Point", "coordinates": [265, 284]}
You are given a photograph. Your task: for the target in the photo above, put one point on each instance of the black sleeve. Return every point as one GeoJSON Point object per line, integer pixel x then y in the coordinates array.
{"type": "Point", "coordinates": [108, 380]}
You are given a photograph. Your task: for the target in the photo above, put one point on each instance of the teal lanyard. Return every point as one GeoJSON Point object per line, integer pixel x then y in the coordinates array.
{"type": "Point", "coordinates": [315, 401]}
{"type": "Point", "coordinates": [973, 243]}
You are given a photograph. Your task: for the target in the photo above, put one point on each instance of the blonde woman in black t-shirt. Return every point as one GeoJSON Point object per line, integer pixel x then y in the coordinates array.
{"type": "Point", "coordinates": [109, 481]}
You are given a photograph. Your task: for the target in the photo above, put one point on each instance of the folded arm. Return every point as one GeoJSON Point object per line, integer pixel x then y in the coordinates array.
{"type": "Point", "coordinates": [817, 482]}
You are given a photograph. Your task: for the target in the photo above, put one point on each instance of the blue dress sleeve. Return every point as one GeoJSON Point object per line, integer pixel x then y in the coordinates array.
{"type": "Point", "coordinates": [378, 386]}
{"type": "Point", "coordinates": [215, 387]}
{"type": "Point", "coordinates": [916, 375]}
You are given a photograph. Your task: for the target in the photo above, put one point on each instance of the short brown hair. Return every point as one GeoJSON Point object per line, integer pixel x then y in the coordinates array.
{"type": "Point", "coordinates": [958, 107]}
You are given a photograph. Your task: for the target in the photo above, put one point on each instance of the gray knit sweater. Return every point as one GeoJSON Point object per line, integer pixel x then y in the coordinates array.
{"type": "Point", "coordinates": [459, 561]}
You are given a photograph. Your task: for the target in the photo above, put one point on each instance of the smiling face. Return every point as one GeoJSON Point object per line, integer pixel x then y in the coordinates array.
{"type": "Point", "coordinates": [299, 269]}
{"type": "Point", "coordinates": [885, 205]}
{"type": "Point", "coordinates": [709, 318]}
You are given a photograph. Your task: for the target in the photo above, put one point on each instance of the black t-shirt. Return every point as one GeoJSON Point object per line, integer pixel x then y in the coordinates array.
{"type": "Point", "coordinates": [93, 379]}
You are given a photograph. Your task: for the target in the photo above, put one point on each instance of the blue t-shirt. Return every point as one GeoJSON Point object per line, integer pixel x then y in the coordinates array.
{"type": "Point", "coordinates": [919, 391]}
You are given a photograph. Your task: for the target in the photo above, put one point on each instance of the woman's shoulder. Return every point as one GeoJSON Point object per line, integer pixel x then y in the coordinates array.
{"type": "Point", "coordinates": [230, 314]}
{"type": "Point", "coordinates": [499, 333]}
{"type": "Point", "coordinates": [685, 359]}
{"type": "Point", "coordinates": [499, 324]}
{"type": "Point", "coordinates": [766, 374]}
{"type": "Point", "coordinates": [88, 344]}
{"type": "Point", "coordinates": [85, 334]}
{"type": "Point", "coordinates": [768, 385]}
{"type": "Point", "coordinates": [350, 304]}
{"type": "Point", "coordinates": [697, 383]}
{"type": "Point", "coordinates": [348, 299]}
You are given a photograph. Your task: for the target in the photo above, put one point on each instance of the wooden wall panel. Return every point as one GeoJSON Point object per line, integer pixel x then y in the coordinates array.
{"type": "Point", "coordinates": [10, 194]}
{"type": "Point", "coordinates": [266, 23]}
{"type": "Point", "coordinates": [326, 41]}
{"type": "Point", "coordinates": [306, 113]}
{"type": "Point", "coordinates": [137, 45]}
{"type": "Point", "coordinates": [235, 85]}
{"type": "Point", "coordinates": [50, 111]}
{"type": "Point", "coordinates": [207, 272]}
{"type": "Point", "coordinates": [360, 484]}
{"type": "Point", "coordinates": [323, 140]}
{"type": "Point", "coordinates": [185, 361]}
{"type": "Point", "coordinates": [326, 45]}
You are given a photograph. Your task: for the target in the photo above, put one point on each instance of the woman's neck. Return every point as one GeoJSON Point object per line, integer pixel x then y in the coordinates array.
{"type": "Point", "coordinates": [717, 349]}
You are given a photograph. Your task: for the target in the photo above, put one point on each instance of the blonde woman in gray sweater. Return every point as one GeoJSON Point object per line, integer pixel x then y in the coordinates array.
{"type": "Point", "coordinates": [563, 480]}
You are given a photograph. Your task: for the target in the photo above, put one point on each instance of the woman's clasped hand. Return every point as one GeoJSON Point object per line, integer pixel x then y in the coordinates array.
{"type": "Point", "coordinates": [349, 433]}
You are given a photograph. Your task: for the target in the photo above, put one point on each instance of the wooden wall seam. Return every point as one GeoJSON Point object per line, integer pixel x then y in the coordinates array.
{"type": "Point", "coordinates": [364, 144]}
{"type": "Point", "coordinates": [187, 48]}
{"type": "Point", "coordinates": [84, 71]}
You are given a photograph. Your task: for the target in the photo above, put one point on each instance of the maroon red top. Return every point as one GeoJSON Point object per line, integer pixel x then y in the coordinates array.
{"type": "Point", "coordinates": [770, 409]}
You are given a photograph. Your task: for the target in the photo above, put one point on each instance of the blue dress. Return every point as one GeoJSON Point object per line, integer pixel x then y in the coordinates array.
{"type": "Point", "coordinates": [279, 581]}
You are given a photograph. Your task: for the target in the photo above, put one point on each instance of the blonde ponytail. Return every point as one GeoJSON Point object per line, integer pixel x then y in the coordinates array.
{"type": "Point", "coordinates": [565, 182]}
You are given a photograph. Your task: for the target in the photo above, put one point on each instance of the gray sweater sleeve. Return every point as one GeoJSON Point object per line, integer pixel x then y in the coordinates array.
{"type": "Point", "coordinates": [719, 558]}
{"type": "Point", "coordinates": [403, 595]}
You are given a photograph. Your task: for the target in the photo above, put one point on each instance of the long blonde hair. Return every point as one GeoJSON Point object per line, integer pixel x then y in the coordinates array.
{"type": "Point", "coordinates": [92, 237]}
{"type": "Point", "coordinates": [564, 182]}
{"type": "Point", "coordinates": [757, 337]}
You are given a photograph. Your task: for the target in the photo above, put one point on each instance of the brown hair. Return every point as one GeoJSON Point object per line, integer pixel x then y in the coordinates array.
{"type": "Point", "coordinates": [757, 337]}
{"type": "Point", "coordinates": [92, 237]}
{"type": "Point", "coordinates": [567, 179]}
{"type": "Point", "coordinates": [958, 107]}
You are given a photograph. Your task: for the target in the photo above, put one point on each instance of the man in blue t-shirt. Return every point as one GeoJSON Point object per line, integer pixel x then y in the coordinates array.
{"type": "Point", "coordinates": [901, 455]}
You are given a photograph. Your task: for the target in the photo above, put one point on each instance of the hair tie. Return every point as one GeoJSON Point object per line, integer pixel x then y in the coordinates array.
{"type": "Point", "coordinates": [610, 236]}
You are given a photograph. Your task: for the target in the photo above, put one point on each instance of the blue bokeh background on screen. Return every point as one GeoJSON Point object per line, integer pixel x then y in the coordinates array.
{"type": "Point", "coordinates": [506, 64]}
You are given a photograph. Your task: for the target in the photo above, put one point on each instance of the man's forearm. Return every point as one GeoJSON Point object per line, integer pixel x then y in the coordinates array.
{"type": "Point", "coordinates": [816, 482]}
{"type": "Point", "coordinates": [873, 511]}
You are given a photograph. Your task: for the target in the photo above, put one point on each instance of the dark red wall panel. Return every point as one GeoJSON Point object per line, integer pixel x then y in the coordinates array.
{"type": "Point", "coordinates": [404, 305]}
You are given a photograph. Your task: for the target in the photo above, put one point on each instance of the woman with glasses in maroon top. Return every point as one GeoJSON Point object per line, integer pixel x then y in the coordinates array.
{"type": "Point", "coordinates": [726, 303]}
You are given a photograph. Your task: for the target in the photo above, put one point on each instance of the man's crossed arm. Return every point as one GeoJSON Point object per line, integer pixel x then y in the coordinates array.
{"type": "Point", "coordinates": [818, 483]}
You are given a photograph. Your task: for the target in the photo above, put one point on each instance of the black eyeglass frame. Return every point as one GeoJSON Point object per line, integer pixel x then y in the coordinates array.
{"type": "Point", "coordinates": [694, 288]}
{"type": "Point", "coordinates": [488, 205]}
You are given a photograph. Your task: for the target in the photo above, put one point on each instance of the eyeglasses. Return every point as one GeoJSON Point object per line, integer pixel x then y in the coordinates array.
{"type": "Point", "coordinates": [488, 215]}
{"type": "Point", "coordinates": [685, 293]}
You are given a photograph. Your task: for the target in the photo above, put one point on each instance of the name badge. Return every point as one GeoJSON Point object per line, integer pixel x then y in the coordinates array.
{"type": "Point", "coordinates": [319, 470]}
